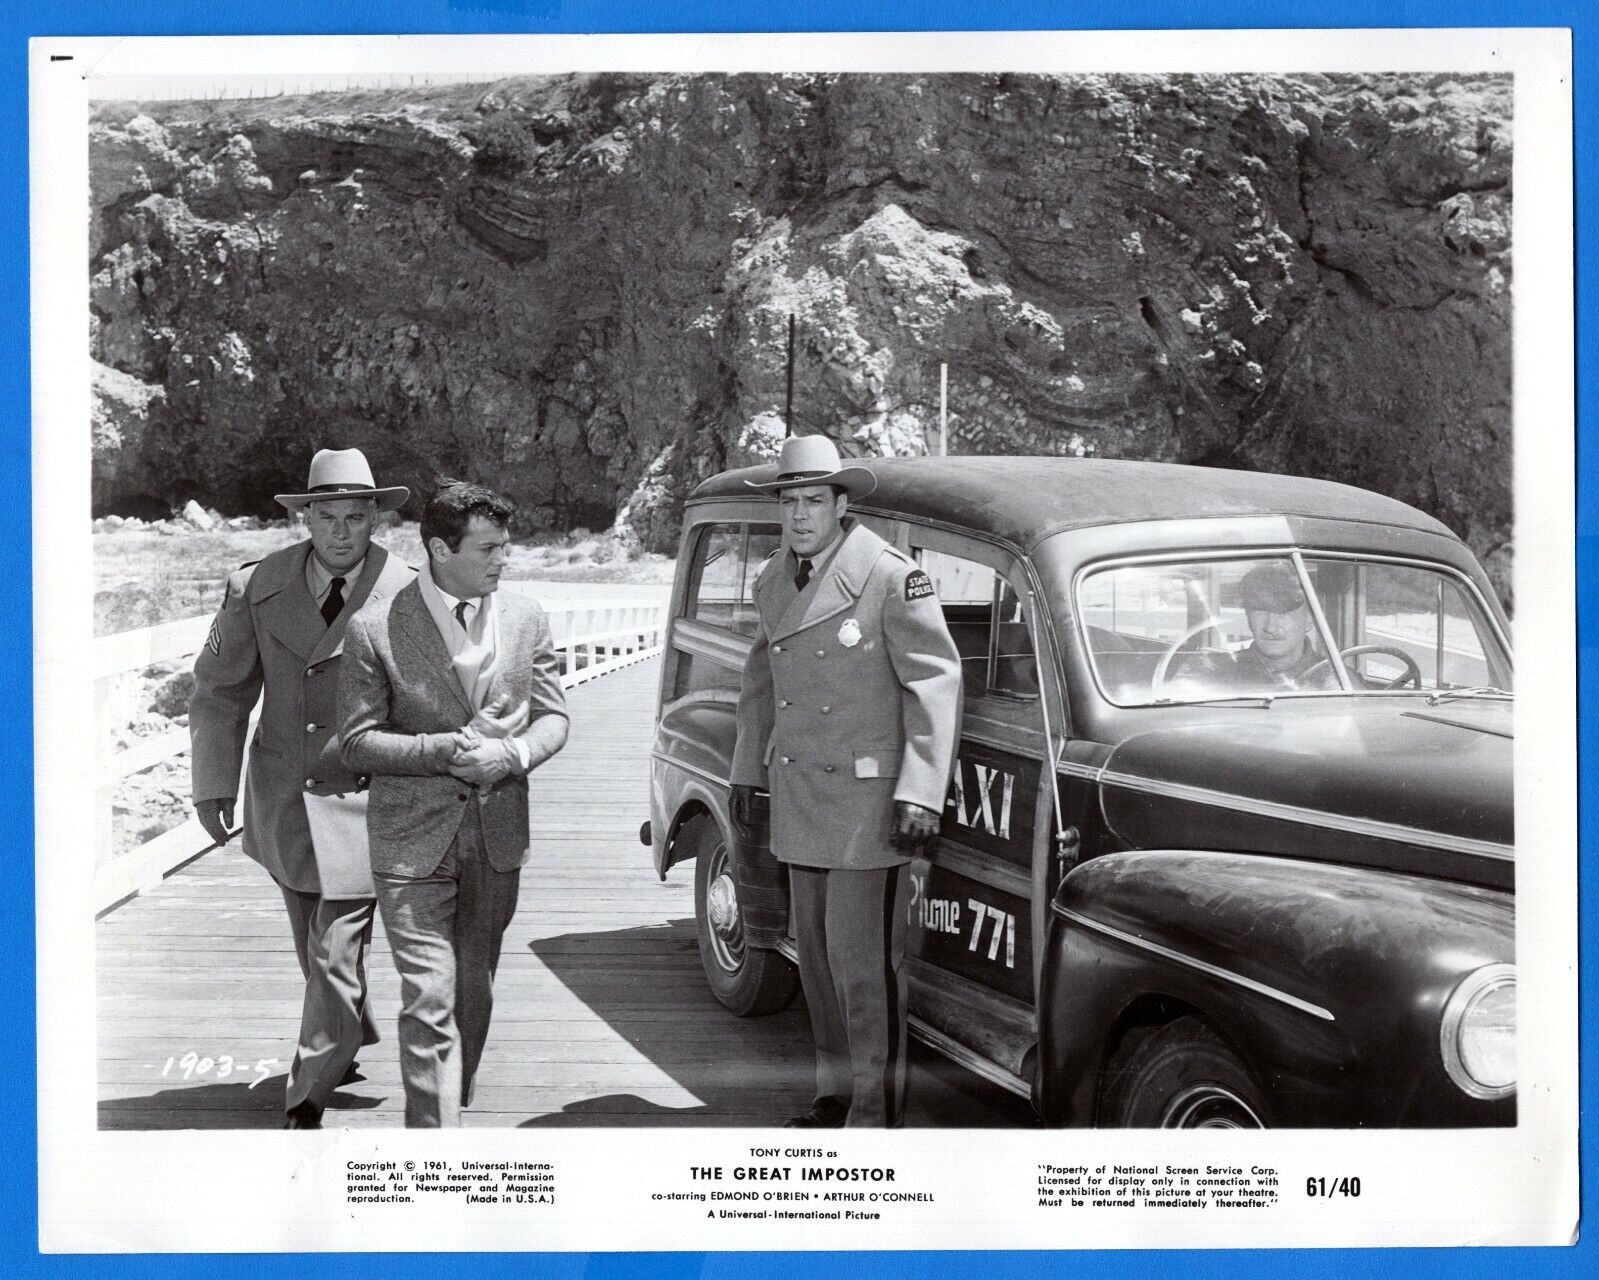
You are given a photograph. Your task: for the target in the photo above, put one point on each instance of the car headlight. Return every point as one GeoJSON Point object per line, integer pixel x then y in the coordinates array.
{"type": "Point", "coordinates": [1478, 1033]}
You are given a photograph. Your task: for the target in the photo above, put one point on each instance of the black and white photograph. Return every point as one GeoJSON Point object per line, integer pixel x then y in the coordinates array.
{"type": "Point", "coordinates": [786, 598]}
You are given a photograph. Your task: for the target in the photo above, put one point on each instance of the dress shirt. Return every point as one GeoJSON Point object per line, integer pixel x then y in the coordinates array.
{"type": "Point", "coordinates": [518, 748]}
{"type": "Point", "coordinates": [319, 578]}
{"type": "Point", "coordinates": [820, 562]}
{"type": "Point", "coordinates": [450, 603]}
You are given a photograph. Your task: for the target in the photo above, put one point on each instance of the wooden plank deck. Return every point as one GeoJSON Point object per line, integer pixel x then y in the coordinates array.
{"type": "Point", "coordinates": [602, 1015]}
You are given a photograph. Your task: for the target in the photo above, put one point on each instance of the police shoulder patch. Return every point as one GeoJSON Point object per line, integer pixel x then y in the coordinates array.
{"type": "Point", "coordinates": [917, 585]}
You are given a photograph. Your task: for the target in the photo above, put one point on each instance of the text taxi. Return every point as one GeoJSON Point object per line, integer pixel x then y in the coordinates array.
{"type": "Point", "coordinates": [1229, 841]}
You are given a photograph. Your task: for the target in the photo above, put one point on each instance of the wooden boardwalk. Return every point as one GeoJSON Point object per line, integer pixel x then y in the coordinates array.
{"type": "Point", "coordinates": [602, 1015]}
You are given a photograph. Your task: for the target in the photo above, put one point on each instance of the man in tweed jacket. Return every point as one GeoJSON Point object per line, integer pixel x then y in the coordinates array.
{"type": "Point", "coordinates": [449, 697]}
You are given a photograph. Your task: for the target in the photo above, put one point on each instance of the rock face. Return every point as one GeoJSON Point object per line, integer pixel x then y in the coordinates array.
{"type": "Point", "coordinates": [578, 289]}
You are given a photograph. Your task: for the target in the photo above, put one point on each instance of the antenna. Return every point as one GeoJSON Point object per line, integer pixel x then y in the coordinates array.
{"type": "Point", "coordinates": [943, 410]}
{"type": "Point", "coordinates": [788, 395]}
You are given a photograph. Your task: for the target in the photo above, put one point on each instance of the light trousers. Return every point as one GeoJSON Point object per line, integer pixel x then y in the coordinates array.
{"type": "Point", "coordinates": [445, 931]}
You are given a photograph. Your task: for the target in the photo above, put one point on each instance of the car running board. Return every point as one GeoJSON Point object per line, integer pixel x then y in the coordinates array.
{"type": "Point", "coordinates": [941, 1042]}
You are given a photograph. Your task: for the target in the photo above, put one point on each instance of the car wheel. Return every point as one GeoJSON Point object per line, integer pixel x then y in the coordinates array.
{"type": "Point", "coordinates": [1179, 1076]}
{"type": "Point", "coordinates": [747, 980]}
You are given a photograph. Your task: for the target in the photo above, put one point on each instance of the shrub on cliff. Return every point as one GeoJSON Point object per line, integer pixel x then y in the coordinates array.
{"type": "Point", "coordinates": [503, 146]}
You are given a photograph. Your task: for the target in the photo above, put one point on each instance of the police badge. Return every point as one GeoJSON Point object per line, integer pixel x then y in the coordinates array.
{"type": "Point", "coordinates": [849, 635]}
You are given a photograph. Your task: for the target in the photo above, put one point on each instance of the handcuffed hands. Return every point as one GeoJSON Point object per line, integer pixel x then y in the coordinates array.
{"type": "Point", "coordinates": [915, 828]}
{"type": "Point", "coordinates": [216, 816]}
{"type": "Point", "coordinates": [483, 752]}
{"type": "Point", "coordinates": [484, 762]}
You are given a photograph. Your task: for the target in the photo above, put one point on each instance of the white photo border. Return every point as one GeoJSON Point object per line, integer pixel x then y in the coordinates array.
{"type": "Point", "coordinates": [113, 1192]}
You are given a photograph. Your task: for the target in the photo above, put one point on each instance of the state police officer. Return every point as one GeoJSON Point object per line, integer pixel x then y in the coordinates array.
{"type": "Point", "coordinates": [280, 632]}
{"type": "Point", "coordinates": [849, 715]}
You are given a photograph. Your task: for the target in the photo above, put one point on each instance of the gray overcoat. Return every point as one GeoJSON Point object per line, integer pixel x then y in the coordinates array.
{"type": "Point", "coordinates": [850, 701]}
{"type": "Point", "coordinates": [269, 633]}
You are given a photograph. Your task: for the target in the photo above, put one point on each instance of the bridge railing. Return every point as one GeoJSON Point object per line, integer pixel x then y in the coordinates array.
{"type": "Point", "coordinates": [592, 639]}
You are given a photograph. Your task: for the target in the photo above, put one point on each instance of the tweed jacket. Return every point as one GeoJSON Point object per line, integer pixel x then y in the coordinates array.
{"type": "Point", "coordinates": [850, 701]}
{"type": "Point", "coordinates": [269, 635]}
{"type": "Point", "coordinates": [400, 704]}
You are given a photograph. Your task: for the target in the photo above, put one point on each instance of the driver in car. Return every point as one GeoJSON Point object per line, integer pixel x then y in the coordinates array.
{"type": "Point", "coordinates": [1282, 654]}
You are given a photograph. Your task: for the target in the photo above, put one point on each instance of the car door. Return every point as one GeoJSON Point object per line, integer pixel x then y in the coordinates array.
{"type": "Point", "coordinates": [971, 910]}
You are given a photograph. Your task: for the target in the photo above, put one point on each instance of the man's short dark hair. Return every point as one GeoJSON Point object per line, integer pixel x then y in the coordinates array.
{"type": "Point", "coordinates": [451, 509]}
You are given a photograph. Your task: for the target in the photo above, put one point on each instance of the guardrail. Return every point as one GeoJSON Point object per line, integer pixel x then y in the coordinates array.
{"type": "Point", "coordinates": [593, 638]}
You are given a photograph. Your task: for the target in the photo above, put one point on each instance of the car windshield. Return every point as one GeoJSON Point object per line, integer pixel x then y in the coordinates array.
{"type": "Point", "coordinates": [1217, 629]}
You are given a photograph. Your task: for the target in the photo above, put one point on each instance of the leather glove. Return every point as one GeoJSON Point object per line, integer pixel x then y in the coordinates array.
{"type": "Point", "coordinates": [216, 816]}
{"type": "Point", "coordinates": [915, 828]}
{"type": "Point", "coordinates": [742, 806]}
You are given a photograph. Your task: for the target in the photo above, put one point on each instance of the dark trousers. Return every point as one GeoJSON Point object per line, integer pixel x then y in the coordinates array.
{"type": "Point", "coordinates": [445, 931]}
{"type": "Point", "coordinates": [331, 937]}
{"type": "Point", "coordinates": [849, 927]}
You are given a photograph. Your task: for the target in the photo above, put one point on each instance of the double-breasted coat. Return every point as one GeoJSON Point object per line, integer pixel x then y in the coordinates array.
{"type": "Point", "coordinates": [850, 701]}
{"type": "Point", "coordinates": [269, 633]}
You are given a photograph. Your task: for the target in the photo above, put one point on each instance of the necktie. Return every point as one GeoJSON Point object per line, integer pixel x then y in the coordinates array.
{"type": "Point", "coordinates": [333, 602]}
{"type": "Point", "coordinates": [803, 576]}
{"type": "Point", "coordinates": [460, 614]}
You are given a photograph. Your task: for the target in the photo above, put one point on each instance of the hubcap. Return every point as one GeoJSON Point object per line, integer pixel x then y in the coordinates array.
{"type": "Point", "coordinates": [721, 911]}
{"type": "Point", "coordinates": [1209, 1106]}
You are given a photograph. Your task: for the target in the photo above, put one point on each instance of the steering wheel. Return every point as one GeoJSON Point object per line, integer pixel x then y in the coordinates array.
{"type": "Point", "coordinates": [1411, 673]}
{"type": "Point", "coordinates": [1157, 682]}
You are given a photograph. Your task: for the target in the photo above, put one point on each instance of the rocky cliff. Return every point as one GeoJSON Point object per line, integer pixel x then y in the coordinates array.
{"type": "Point", "coordinates": [578, 288]}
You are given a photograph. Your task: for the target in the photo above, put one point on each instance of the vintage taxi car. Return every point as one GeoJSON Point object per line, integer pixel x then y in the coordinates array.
{"type": "Point", "coordinates": [1170, 890]}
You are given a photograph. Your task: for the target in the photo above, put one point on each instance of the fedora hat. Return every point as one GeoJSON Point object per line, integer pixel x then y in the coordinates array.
{"type": "Point", "coordinates": [814, 460]}
{"type": "Point", "coordinates": [343, 473]}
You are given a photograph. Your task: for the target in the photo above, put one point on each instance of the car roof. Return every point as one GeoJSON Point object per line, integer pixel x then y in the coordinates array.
{"type": "Point", "coordinates": [1024, 500]}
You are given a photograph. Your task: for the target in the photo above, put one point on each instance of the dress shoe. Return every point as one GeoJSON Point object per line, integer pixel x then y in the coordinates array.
{"type": "Point", "coordinates": [352, 1075]}
{"type": "Point", "coordinates": [825, 1113]}
{"type": "Point", "coordinates": [303, 1115]}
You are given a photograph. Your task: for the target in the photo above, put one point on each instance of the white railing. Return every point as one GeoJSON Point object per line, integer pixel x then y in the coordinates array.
{"type": "Point", "coordinates": [593, 638]}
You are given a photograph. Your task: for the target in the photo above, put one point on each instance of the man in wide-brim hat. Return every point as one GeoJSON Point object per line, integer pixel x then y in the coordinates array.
{"type": "Point", "coordinates": [848, 713]}
{"type": "Point", "coordinates": [280, 632]}
{"type": "Point", "coordinates": [814, 460]}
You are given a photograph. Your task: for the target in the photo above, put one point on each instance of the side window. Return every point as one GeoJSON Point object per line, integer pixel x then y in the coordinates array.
{"type": "Point", "coordinates": [985, 618]}
{"type": "Point", "coordinates": [697, 673]}
{"type": "Point", "coordinates": [726, 562]}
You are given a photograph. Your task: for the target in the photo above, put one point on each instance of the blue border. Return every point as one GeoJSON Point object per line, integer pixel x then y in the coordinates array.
{"type": "Point", "coordinates": [18, 1136]}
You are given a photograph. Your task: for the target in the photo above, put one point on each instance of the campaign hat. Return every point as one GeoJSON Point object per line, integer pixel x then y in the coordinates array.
{"type": "Point", "coordinates": [343, 473]}
{"type": "Point", "coordinates": [806, 460]}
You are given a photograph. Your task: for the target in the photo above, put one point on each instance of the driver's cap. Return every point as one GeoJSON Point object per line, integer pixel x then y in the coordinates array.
{"type": "Point", "coordinates": [1271, 588]}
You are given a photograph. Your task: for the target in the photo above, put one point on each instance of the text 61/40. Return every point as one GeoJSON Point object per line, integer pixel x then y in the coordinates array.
{"type": "Point", "coordinates": [1330, 1187]}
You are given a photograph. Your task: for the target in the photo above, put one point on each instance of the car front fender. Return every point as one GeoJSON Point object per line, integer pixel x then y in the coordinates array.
{"type": "Point", "coordinates": [1328, 981]}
